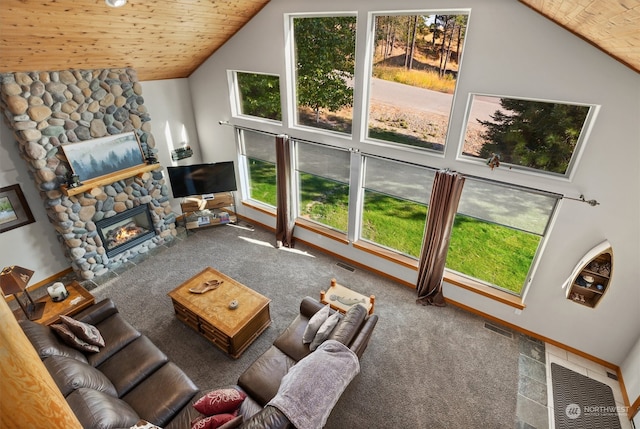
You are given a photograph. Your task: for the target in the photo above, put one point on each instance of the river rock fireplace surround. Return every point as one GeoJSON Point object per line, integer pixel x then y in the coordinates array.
{"type": "Point", "coordinates": [46, 110]}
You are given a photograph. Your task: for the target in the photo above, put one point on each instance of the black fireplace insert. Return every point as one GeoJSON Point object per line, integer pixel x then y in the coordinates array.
{"type": "Point", "coordinates": [126, 230]}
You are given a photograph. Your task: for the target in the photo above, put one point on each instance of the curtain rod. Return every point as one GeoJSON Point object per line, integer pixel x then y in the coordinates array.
{"type": "Point", "coordinates": [581, 198]}
{"type": "Point", "coordinates": [592, 203]}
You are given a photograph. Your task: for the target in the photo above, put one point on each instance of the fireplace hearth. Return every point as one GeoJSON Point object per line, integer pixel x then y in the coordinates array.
{"type": "Point", "coordinates": [126, 230]}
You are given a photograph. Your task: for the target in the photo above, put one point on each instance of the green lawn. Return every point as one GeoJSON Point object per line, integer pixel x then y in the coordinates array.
{"type": "Point", "coordinates": [262, 181]}
{"type": "Point", "coordinates": [492, 253]}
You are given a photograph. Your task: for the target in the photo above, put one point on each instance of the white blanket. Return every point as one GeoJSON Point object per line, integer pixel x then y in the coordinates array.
{"type": "Point", "coordinates": [311, 388]}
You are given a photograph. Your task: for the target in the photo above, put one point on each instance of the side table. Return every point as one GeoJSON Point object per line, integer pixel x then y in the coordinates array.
{"type": "Point", "coordinates": [341, 298]}
{"type": "Point", "coordinates": [79, 299]}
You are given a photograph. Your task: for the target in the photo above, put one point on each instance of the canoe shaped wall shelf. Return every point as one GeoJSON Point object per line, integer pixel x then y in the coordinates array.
{"type": "Point", "coordinates": [591, 277]}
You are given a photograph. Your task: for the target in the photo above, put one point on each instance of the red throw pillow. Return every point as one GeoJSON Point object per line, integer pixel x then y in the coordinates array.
{"type": "Point", "coordinates": [211, 422]}
{"type": "Point", "coordinates": [219, 401]}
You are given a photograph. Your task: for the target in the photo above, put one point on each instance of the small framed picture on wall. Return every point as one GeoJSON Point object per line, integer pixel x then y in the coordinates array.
{"type": "Point", "coordinates": [14, 210]}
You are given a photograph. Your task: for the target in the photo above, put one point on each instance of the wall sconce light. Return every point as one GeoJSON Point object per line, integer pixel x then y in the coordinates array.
{"type": "Point", "coordinates": [115, 3]}
{"type": "Point", "coordinates": [14, 280]}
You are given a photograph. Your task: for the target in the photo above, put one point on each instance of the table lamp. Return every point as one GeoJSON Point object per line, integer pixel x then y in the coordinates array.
{"type": "Point", "coordinates": [14, 280]}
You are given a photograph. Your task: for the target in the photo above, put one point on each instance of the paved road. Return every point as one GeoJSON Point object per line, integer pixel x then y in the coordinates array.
{"type": "Point", "coordinates": [407, 96]}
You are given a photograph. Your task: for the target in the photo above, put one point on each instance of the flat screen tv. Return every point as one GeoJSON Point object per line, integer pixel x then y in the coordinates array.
{"type": "Point", "coordinates": [202, 179]}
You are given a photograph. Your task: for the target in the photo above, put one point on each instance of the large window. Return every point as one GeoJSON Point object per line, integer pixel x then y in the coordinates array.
{"type": "Point", "coordinates": [259, 156]}
{"type": "Point", "coordinates": [258, 95]}
{"type": "Point", "coordinates": [323, 182]}
{"type": "Point", "coordinates": [415, 64]}
{"type": "Point", "coordinates": [396, 196]}
{"type": "Point", "coordinates": [324, 64]}
{"type": "Point", "coordinates": [376, 190]}
{"type": "Point", "coordinates": [533, 134]}
{"type": "Point", "coordinates": [498, 231]}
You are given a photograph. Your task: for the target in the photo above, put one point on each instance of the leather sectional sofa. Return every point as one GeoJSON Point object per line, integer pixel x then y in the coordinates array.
{"type": "Point", "coordinates": [262, 379]}
{"type": "Point", "coordinates": [120, 385]}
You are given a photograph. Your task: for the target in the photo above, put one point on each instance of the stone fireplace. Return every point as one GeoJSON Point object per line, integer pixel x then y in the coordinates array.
{"type": "Point", "coordinates": [46, 110]}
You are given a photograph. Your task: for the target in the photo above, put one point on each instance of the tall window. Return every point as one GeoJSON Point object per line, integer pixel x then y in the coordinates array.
{"type": "Point", "coordinates": [324, 64]}
{"type": "Point", "coordinates": [396, 196]}
{"type": "Point", "coordinates": [258, 95]}
{"type": "Point", "coordinates": [409, 87]}
{"type": "Point", "coordinates": [414, 70]}
{"type": "Point", "coordinates": [323, 181]}
{"type": "Point", "coordinates": [259, 156]}
{"type": "Point", "coordinates": [533, 134]}
{"type": "Point", "coordinates": [497, 232]}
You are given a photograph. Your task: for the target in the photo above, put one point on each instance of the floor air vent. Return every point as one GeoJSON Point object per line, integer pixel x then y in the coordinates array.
{"type": "Point", "coordinates": [612, 376]}
{"type": "Point", "coordinates": [498, 330]}
{"type": "Point", "coordinates": [346, 267]}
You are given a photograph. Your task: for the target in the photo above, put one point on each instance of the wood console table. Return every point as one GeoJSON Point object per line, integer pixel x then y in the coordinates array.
{"type": "Point", "coordinates": [79, 299]}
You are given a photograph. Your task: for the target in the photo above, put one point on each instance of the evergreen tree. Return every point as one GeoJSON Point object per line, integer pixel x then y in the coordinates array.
{"type": "Point", "coordinates": [534, 134]}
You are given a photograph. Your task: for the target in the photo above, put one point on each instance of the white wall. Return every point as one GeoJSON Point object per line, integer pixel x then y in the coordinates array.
{"type": "Point", "coordinates": [510, 50]}
{"type": "Point", "coordinates": [630, 369]}
{"type": "Point", "coordinates": [32, 246]}
{"type": "Point", "coordinates": [172, 122]}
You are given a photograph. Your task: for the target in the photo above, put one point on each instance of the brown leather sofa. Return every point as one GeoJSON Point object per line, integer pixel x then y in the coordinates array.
{"type": "Point", "coordinates": [130, 379]}
{"type": "Point", "coordinates": [262, 379]}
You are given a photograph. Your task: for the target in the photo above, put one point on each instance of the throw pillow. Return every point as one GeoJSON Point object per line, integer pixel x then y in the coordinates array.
{"type": "Point", "coordinates": [72, 340]}
{"type": "Point", "coordinates": [84, 331]}
{"type": "Point", "coordinates": [143, 424]}
{"type": "Point", "coordinates": [314, 324]}
{"type": "Point", "coordinates": [212, 422]}
{"type": "Point", "coordinates": [324, 331]}
{"type": "Point", "coordinates": [219, 401]}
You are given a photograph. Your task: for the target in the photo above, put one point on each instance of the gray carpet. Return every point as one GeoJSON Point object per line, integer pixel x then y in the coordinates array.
{"type": "Point", "coordinates": [580, 402]}
{"type": "Point", "coordinates": [424, 367]}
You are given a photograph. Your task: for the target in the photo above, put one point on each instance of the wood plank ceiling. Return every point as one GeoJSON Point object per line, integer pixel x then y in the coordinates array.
{"type": "Point", "coordinates": [160, 39]}
{"type": "Point", "coordinates": [169, 39]}
{"type": "Point", "coordinates": [611, 25]}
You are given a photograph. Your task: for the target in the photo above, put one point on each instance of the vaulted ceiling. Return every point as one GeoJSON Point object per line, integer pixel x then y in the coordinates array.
{"type": "Point", "coordinates": [170, 39]}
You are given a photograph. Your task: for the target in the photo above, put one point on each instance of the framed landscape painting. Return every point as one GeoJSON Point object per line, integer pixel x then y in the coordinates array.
{"type": "Point", "coordinates": [14, 210]}
{"type": "Point", "coordinates": [91, 159]}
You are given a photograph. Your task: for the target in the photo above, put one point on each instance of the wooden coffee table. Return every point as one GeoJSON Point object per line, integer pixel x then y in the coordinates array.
{"type": "Point", "coordinates": [79, 299]}
{"type": "Point", "coordinates": [231, 330]}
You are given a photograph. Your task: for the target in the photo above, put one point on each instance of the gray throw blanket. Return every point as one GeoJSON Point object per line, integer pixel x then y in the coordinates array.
{"type": "Point", "coordinates": [311, 388]}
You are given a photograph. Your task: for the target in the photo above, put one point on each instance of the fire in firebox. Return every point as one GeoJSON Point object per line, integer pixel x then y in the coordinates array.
{"type": "Point", "coordinates": [117, 236]}
{"type": "Point", "coordinates": [125, 230]}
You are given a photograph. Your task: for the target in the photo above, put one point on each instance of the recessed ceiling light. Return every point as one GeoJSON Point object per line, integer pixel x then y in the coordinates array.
{"type": "Point", "coordinates": [115, 3]}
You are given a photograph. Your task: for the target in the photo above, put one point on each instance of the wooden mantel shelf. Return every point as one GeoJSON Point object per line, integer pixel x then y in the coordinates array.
{"type": "Point", "coordinates": [107, 179]}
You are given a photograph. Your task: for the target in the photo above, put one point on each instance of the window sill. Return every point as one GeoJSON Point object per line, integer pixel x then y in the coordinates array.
{"type": "Point", "coordinates": [449, 276]}
{"type": "Point", "coordinates": [484, 290]}
{"type": "Point", "coordinates": [318, 229]}
{"type": "Point", "coordinates": [405, 261]}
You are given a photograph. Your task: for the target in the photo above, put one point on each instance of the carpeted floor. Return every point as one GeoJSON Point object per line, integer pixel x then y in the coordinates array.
{"type": "Point", "coordinates": [424, 367]}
